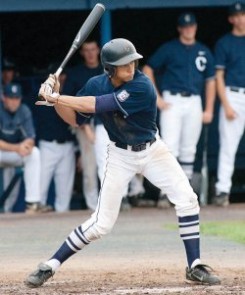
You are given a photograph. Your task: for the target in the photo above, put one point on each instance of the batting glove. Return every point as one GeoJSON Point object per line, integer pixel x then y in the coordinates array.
{"type": "Point", "coordinates": [49, 99]}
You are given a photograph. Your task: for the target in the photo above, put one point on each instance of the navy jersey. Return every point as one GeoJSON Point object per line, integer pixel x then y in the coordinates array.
{"type": "Point", "coordinates": [51, 127]}
{"type": "Point", "coordinates": [181, 67]}
{"type": "Point", "coordinates": [135, 121]}
{"type": "Point", "coordinates": [15, 127]}
{"type": "Point", "coordinates": [230, 56]}
{"type": "Point", "coordinates": [78, 76]}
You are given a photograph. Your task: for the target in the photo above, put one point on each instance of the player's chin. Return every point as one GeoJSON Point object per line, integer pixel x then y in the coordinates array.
{"type": "Point", "coordinates": [129, 78]}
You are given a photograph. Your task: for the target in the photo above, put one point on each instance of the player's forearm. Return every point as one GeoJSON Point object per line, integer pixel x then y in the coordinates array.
{"type": "Point", "coordinates": [67, 114]}
{"type": "Point", "coordinates": [210, 93]}
{"type": "Point", "coordinates": [83, 104]}
{"type": "Point", "coordinates": [150, 73]}
{"type": "Point", "coordinates": [220, 82]}
{"type": "Point", "coordinates": [9, 147]}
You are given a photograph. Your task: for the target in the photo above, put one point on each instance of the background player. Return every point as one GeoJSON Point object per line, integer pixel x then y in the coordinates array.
{"type": "Point", "coordinates": [185, 67]}
{"type": "Point", "coordinates": [76, 78]}
{"type": "Point", "coordinates": [57, 151]}
{"type": "Point", "coordinates": [230, 75]}
{"type": "Point", "coordinates": [125, 100]}
{"type": "Point", "coordinates": [17, 146]}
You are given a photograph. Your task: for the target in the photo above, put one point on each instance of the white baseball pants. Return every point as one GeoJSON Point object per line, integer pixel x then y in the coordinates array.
{"type": "Point", "coordinates": [58, 162]}
{"type": "Point", "coordinates": [101, 145]}
{"type": "Point", "coordinates": [230, 134]}
{"type": "Point", "coordinates": [89, 168]}
{"type": "Point", "coordinates": [32, 169]}
{"type": "Point", "coordinates": [181, 127]}
{"type": "Point", "coordinates": [158, 165]}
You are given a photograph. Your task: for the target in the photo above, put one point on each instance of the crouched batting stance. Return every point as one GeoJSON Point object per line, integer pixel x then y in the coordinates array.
{"type": "Point", "coordinates": [125, 100]}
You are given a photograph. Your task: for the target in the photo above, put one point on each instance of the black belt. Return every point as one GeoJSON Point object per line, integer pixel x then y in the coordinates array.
{"type": "Point", "coordinates": [57, 140]}
{"type": "Point", "coordinates": [135, 148]}
{"type": "Point", "coordinates": [182, 93]}
{"type": "Point", "coordinates": [237, 89]}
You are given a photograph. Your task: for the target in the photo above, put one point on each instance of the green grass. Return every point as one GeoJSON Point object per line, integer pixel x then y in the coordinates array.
{"type": "Point", "coordinates": [230, 230]}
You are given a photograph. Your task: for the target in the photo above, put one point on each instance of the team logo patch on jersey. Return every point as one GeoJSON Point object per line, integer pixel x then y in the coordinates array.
{"type": "Point", "coordinates": [123, 95]}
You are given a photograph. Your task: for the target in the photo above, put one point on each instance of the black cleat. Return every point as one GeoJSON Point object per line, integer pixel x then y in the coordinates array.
{"type": "Point", "coordinates": [222, 200]}
{"type": "Point", "coordinates": [39, 276]}
{"type": "Point", "coordinates": [200, 274]}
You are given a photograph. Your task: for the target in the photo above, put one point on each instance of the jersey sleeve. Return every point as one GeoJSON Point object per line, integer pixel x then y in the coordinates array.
{"type": "Point", "coordinates": [160, 58]}
{"type": "Point", "coordinates": [135, 96]}
{"type": "Point", "coordinates": [220, 55]}
{"type": "Point", "coordinates": [210, 70]}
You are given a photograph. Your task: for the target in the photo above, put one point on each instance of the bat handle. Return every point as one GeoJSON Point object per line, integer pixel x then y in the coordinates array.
{"type": "Point", "coordinates": [58, 72]}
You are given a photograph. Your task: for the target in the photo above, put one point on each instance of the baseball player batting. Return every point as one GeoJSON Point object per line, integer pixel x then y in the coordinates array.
{"type": "Point", "coordinates": [125, 100]}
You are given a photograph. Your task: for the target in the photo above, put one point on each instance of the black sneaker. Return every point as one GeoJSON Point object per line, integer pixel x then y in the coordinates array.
{"type": "Point", "coordinates": [222, 200]}
{"type": "Point", "coordinates": [125, 206]}
{"type": "Point", "coordinates": [200, 274]}
{"type": "Point", "coordinates": [37, 207]}
{"type": "Point", "coordinates": [39, 276]}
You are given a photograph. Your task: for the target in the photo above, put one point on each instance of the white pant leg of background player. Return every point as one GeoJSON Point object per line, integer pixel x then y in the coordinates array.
{"type": "Point", "coordinates": [8, 174]}
{"type": "Point", "coordinates": [89, 170]}
{"type": "Point", "coordinates": [31, 171]}
{"type": "Point", "coordinates": [64, 177]}
{"type": "Point", "coordinates": [230, 133]}
{"type": "Point", "coordinates": [191, 131]}
{"type": "Point", "coordinates": [58, 161]}
{"type": "Point", "coordinates": [101, 144]}
{"type": "Point", "coordinates": [49, 160]}
{"type": "Point", "coordinates": [181, 127]}
{"type": "Point", "coordinates": [136, 186]}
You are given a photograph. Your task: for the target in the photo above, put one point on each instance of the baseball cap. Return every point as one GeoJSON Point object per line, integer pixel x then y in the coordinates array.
{"type": "Point", "coordinates": [8, 65]}
{"type": "Point", "coordinates": [186, 19]}
{"type": "Point", "coordinates": [12, 90]}
{"type": "Point", "coordinates": [236, 8]}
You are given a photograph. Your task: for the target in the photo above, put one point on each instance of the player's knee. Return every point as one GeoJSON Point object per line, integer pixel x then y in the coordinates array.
{"type": "Point", "coordinates": [190, 207]}
{"type": "Point", "coordinates": [102, 230]}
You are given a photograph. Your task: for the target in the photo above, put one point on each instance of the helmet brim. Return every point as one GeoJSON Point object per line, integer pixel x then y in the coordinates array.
{"type": "Point", "coordinates": [126, 60]}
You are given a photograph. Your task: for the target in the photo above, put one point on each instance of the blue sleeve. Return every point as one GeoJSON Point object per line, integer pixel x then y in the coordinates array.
{"type": "Point", "coordinates": [220, 55]}
{"type": "Point", "coordinates": [82, 118]}
{"type": "Point", "coordinates": [27, 127]}
{"type": "Point", "coordinates": [160, 58]}
{"type": "Point", "coordinates": [135, 96]}
{"type": "Point", "coordinates": [209, 71]}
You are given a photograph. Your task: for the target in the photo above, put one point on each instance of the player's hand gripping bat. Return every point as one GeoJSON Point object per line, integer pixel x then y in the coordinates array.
{"type": "Point", "coordinates": [81, 36]}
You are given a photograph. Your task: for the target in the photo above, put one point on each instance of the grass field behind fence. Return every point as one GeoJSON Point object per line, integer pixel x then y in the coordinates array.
{"type": "Point", "coordinates": [230, 230]}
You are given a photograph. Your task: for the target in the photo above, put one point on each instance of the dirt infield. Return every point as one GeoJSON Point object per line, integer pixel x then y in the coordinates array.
{"type": "Point", "coordinates": [139, 257]}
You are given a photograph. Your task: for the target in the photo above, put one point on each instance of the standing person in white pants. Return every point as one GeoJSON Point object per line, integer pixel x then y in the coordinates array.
{"type": "Point", "coordinates": [76, 78]}
{"type": "Point", "coordinates": [17, 146]}
{"type": "Point", "coordinates": [230, 74]}
{"type": "Point", "coordinates": [57, 150]}
{"type": "Point", "coordinates": [86, 140]}
{"type": "Point", "coordinates": [186, 69]}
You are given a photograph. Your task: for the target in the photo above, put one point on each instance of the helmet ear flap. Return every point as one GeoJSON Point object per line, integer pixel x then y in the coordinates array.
{"type": "Point", "coordinates": [109, 70]}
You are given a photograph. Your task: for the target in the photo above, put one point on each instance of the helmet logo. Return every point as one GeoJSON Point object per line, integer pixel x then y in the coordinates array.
{"type": "Point", "coordinates": [127, 49]}
{"type": "Point", "coordinates": [187, 18]}
{"type": "Point", "coordinates": [238, 6]}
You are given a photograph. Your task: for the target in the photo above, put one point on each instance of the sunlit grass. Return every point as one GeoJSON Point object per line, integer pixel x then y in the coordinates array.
{"type": "Point", "coordinates": [230, 230]}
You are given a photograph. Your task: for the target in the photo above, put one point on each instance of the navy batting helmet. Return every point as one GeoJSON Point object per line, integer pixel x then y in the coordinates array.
{"type": "Point", "coordinates": [118, 52]}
